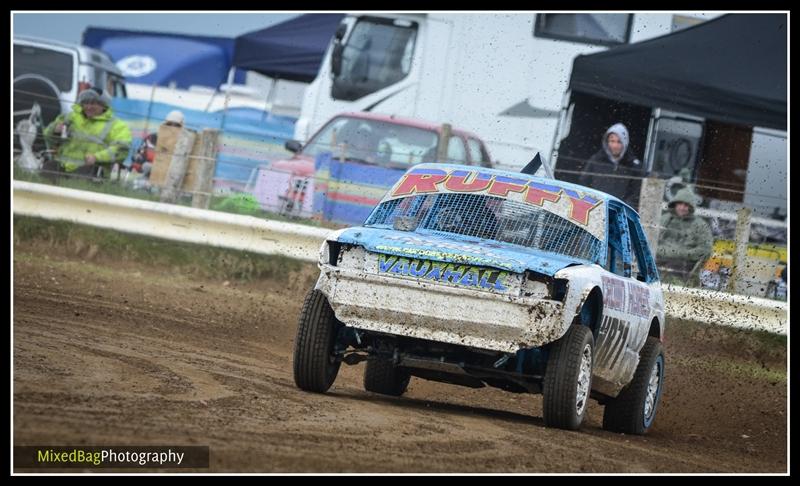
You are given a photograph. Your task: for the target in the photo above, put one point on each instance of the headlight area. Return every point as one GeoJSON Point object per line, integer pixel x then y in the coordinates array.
{"type": "Point", "coordinates": [341, 254]}
{"type": "Point", "coordinates": [541, 286]}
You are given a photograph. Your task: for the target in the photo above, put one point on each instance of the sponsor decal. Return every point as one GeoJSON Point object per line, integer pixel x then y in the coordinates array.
{"type": "Point", "coordinates": [578, 206]}
{"type": "Point", "coordinates": [613, 294]}
{"type": "Point", "coordinates": [638, 300]}
{"type": "Point", "coordinates": [478, 254]}
{"type": "Point", "coordinates": [137, 65]}
{"type": "Point", "coordinates": [626, 296]}
{"type": "Point", "coordinates": [446, 273]}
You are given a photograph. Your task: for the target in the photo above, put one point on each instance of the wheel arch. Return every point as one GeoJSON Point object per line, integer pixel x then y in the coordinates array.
{"type": "Point", "coordinates": [655, 329]}
{"type": "Point", "coordinates": [590, 311]}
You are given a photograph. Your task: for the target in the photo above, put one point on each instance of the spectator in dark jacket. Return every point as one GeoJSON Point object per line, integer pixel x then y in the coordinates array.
{"type": "Point", "coordinates": [604, 169]}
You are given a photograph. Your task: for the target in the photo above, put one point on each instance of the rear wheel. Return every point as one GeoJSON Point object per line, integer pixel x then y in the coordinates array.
{"type": "Point", "coordinates": [382, 376]}
{"type": "Point", "coordinates": [633, 411]}
{"type": "Point", "coordinates": [568, 379]}
{"type": "Point", "coordinates": [315, 366]}
{"type": "Point", "coordinates": [32, 89]}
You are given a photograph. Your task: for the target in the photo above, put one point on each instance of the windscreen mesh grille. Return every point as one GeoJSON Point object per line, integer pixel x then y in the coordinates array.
{"type": "Point", "coordinates": [457, 215]}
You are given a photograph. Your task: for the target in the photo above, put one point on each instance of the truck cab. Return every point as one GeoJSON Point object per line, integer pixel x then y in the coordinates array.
{"type": "Point", "coordinates": [367, 140]}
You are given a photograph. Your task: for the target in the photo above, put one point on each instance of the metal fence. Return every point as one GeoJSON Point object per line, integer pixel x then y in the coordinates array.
{"type": "Point", "coordinates": [744, 240]}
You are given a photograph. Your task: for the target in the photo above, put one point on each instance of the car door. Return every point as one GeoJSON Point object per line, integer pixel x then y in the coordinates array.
{"type": "Point", "coordinates": [645, 296]}
{"type": "Point", "coordinates": [620, 322]}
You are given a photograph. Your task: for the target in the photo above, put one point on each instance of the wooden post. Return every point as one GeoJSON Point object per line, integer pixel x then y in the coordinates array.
{"type": "Point", "coordinates": [650, 198]}
{"type": "Point", "coordinates": [206, 164]}
{"type": "Point", "coordinates": [743, 219]}
{"type": "Point", "coordinates": [444, 140]}
{"type": "Point", "coordinates": [177, 167]}
{"type": "Point", "coordinates": [149, 111]}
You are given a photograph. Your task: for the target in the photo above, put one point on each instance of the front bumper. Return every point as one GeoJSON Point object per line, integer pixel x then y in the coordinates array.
{"type": "Point", "coordinates": [424, 310]}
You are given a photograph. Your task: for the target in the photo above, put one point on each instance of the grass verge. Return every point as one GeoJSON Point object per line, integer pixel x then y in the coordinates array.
{"type": "Point", "coordinates": [109, 246]}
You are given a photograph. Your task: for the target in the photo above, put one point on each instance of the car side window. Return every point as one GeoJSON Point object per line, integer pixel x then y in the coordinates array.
{"type": "Point", "coordinates": [112, 85]}
{"type": "Point", "coordinates": [638, 270]}
{"type": "Point", "coordinates": [474, 148]}
{"type": "Point", "coordinates": [456, 153]}
{"type": "Point", "coordinates": [52, 64]}
{"type": "Point", "coordinates": [643, 268]}
{"type": "Point", "coordinates": [477, 153]}
{"type": "Point", "coordinates": [618, 261]}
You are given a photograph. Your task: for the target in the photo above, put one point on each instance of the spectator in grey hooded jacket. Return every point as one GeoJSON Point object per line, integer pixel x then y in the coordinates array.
{"type": "Point", "coordinates": [604, 168]}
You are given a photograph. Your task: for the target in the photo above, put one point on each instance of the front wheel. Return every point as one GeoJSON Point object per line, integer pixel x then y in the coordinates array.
{"type": "Point", "coordinates": [315, 367]}
{"type": "Point", "coordinates": [633, 411]}
{"type": "Point", "coordinates": [568, 379]}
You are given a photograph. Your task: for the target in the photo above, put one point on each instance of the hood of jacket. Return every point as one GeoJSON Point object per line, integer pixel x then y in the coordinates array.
{"type": "Point", "coordinates": [619, 130]}
{"type": "Point", "coordinates": [685, 195]}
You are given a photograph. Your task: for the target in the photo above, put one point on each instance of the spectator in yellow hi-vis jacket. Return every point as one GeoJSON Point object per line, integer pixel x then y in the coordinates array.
{"type": "Point", "coordinates": [88, 139]}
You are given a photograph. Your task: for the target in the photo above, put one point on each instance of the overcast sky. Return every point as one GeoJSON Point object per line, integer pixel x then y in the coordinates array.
{"type": "Point", "coordinates": [69, 27]}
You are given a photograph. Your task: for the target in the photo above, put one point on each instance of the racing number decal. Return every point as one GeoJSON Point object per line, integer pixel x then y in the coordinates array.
{"type": "Point", "coordinates": [628, 298]}
{"type": "Point", "coordinates": [613, 335]}
{"type": "Point", "coordinates": [612, 339]}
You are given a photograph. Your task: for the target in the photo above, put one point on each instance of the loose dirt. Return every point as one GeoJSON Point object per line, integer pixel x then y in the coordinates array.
{"type": "Point", "coordinates": [131, 355]}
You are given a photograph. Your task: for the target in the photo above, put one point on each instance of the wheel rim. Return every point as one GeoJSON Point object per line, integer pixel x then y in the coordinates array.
{"type": "Point", "coordinates": [652, 391]}
{"type": "Point", "coordinates": [584, 379]}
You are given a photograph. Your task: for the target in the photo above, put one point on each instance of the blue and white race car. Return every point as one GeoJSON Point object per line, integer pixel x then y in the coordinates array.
{"type": "Point", "coordinates": [478, 277]}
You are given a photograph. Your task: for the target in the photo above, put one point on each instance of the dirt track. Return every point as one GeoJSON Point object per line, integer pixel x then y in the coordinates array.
{"type": "Point", "coordinates": [127, 355]}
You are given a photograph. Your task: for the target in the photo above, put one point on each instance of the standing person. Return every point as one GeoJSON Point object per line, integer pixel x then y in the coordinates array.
{"type": "Point", "coordinates": [603, 169]}
{"type": "Point", "coordinates": [89, 140]}
{"type": "Point", "coordinates": [685, 239]}
{"type": "Point", "coordinates": [146, 153]}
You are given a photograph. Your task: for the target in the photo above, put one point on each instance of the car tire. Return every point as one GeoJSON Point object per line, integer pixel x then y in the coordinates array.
{"type": "Point", "coordinates": [634, 409]}
{"type": "Point", "coordinates": [36, 89]}
{"type": "Point", "coordinates": [568, 379]}
{"type": "Point", "coordinates": [315, 367]}
{"type": "Point", "coordinates": [382, 376]}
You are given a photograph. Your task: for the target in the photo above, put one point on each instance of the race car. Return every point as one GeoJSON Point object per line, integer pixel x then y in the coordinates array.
{"type": "Point", "coordinates": [476, 276]}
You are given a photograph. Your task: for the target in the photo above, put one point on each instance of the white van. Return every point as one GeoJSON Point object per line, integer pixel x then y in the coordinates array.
{"type": "Point", "coordinates": [52, 73]}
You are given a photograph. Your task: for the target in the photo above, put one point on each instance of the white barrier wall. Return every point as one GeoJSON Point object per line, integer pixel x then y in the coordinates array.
{"type": "Point", "coordinates": [168, 221]}
{"type": "Point", "coordinates": [302, 242]}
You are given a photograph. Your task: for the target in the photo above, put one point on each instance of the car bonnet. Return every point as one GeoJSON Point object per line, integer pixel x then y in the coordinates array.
{"type": "Point", "coordinates": [471, 251]}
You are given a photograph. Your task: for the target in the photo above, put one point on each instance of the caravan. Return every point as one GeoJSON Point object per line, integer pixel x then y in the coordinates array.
{"type": "Point", "coordinates": [501, 76]}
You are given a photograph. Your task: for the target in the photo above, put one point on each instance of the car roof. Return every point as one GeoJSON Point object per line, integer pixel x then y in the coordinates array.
{"type": "Point", "coordinates": [87, 55]}
{"type": "Point", "coordinates": [413, 122]}
{"type": "Point", "coordinates": [518, 175]}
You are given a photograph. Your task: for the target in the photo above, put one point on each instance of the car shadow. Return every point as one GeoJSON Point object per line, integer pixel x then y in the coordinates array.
{"type": "Point", "coordinates": [451, 408]}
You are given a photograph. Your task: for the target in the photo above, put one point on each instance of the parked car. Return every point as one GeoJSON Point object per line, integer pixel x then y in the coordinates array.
{"type": "Point", "coordinates": [476, 276]}
{"type": "Point", "coordinates": [52, 73]}
{"type": "Point", "coordinates": [287, 186]}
